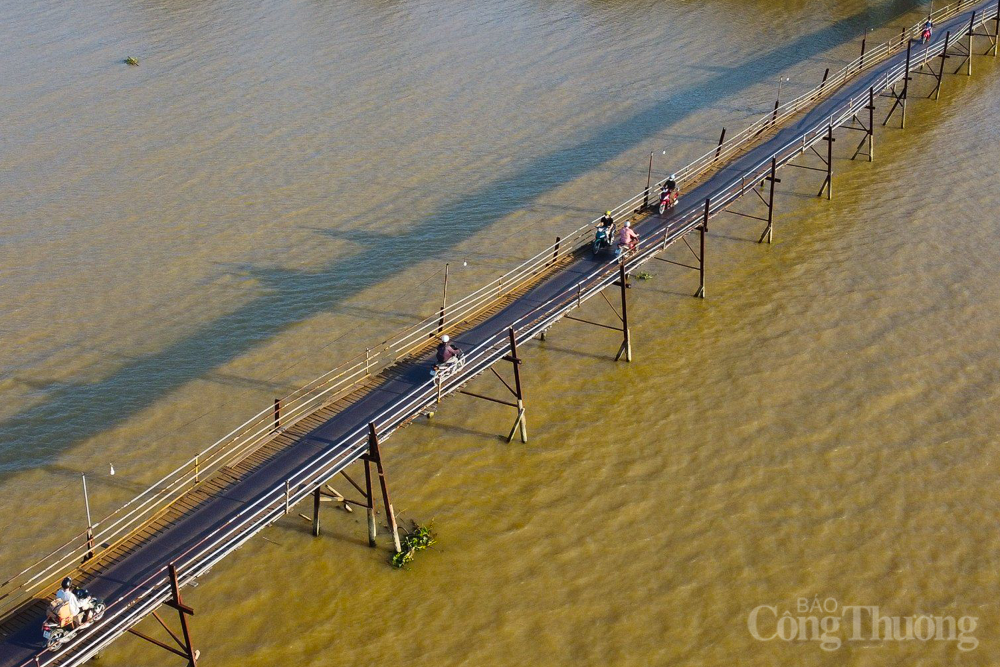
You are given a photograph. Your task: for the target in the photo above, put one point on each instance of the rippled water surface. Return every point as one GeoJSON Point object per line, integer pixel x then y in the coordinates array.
{"type": "Point", "coordinates": [279, 184]}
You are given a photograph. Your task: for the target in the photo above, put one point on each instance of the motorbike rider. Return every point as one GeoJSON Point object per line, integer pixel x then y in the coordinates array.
{"type": "Point", "coordinates": [928, 31]}
{"type": "Point", "coordinates": [628, 238]}
{"type": "Point", "coordinates": [446, 351]}
{"type": "Point", "coordinates": [67, 595]}
{"type": "Point", "coordinates": [671, 185]}
{"type": "Point", "coordinates": [607, 220]}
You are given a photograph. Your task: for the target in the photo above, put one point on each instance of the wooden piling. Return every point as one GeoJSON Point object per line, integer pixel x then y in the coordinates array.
{"type": "Point", "coordinates": [626, 348]}
{"type": "Point", "coordinates": [944, 58]}
{"type": "Point", "coordinates": [972, 32]}
{"type": "Point", "coordinates": [521, 422]}
{"type": "Point", "coordinates": [829, 163]}
{"type": "Point", "coordinates": [317, 500]}
{"type": "Point", "coordinates": [373, 452]}
{"type": "Point", "coordinates": [773, 178]}
{"type": "Point", "coordinates": [996, 31]}
{"type": "Point", "coordinates": [701, 264]}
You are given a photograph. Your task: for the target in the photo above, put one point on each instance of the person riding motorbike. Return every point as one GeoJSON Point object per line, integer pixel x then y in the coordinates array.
{"type": "Point", "coordinates": [628, 238]}
{"type": "Point", "coordinates": [671, 184]}
{"type": "Point", "coordinates": [446, 351]}
{"type": "Point", "coordinates": [607, 220]}
{"type": "Point", "coordinates": [67, 595]}
{"type": "Point", "coordinates": [928, 31]}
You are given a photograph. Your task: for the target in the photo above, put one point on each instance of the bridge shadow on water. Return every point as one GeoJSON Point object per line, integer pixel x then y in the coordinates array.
{"type": "Point", "coordinates": [82, 411]}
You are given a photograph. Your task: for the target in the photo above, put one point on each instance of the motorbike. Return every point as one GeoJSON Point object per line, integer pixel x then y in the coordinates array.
{"type": "Point", "coordinates": [626, 249]}
{"type": "Point", "coordinates": [667, 201]}
{"type": "Point", "coordinates": [58, 633]}
{"type": "Point", "coordinates": [604, 238]}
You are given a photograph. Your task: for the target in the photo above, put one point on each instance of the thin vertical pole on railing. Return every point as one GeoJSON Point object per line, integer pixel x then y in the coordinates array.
{"type": "Point", "coordinates": [864, 43]}
{"type": "Point", "coordinates": [444, 299]}
{"type": "Point", "coordinates": [277, 414]}
{"type": "Point", "coordinates": [649, 179]}
{"type": "Point", "coordinates": [722, 140]}
{"type": "Point", "coordinates": [90, 523]}
{"type": "Point", "coordinates": [555, 250]}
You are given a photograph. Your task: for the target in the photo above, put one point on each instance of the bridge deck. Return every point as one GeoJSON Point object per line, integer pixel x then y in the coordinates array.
{"type": "Point", "coordinates": [121, 574]}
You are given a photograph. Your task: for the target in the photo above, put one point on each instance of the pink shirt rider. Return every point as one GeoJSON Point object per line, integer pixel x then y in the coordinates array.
{"type": "Point", "coordinates": [627, 236]}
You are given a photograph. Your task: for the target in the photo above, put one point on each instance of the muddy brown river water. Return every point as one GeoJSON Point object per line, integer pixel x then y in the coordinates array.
{"type": "Point", "coordinates": [279, 184]}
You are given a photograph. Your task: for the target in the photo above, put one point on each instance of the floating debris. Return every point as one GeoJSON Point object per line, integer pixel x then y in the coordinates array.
{"type": "Point", "coordinates": [416, 539]}
{"type": "Point", "coordinates": [132, 60]}
{"type": "Point", "coordinates": [642, 275]}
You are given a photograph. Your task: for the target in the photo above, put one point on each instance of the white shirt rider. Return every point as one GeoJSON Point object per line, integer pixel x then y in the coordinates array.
{"type": "Point", "coordinates": [68, 595]}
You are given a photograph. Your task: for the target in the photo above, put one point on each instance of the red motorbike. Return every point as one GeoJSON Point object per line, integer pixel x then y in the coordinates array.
{"type": "Point", "coordinates": [668, 199]}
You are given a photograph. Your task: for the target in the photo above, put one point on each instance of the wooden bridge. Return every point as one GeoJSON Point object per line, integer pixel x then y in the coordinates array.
{"type": "Point", "coordinates": [141, 556]}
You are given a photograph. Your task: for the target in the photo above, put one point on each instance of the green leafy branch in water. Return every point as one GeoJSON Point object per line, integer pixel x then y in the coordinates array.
{"type": "Point", "coordinates": [131, 60]}
{"type": "Point", "coordinates": [642, 275]}
{"type": "Point", "coordinates": [416, 539]}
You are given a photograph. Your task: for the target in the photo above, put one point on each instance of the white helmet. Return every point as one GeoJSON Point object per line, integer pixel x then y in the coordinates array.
{"type": "Point", "coordinates": [628, 223]}
{"type": "Point", "coordinates": [673, 177]}
{"type": "Point", "coordinates": [445, 338]}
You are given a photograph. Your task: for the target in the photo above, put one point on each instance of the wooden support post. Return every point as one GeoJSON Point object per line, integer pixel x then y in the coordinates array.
{"type": "Point", "coordinates": [996, 31]}
{"type": "Point", "coordinates": [864, 42]}
{"type": "Point", "coordinates": [972, 32]}
{"type": "Point", "coordinates": [626, 348]}
{"type": "Point", "coordinates": [277, 414]}
{"type": "Point", "coordinates": [901, 99]}
{"type": "Point", "coordinates": [183, 611]}
{"type": "Point", "coordinates": [372, 528]}
{"type": "Point", "coordinates": [906, 81]}
{"type": "Point", "coordinates": [722, 140]}
{"type": "Point", "coordinates": [871, 124]}
{"type": "Point", "coordinates": [701, 264]}
{"type": "Point", "coordinates": [828, 183]}
{"type": "Point", "coordinates": [317, 499]}
{"type": "Point", "coordinates": [521, 422]}
{"type": "Point", "coordinates": [944, 57]}
{"type": "Point", "coordinates": [769, 230]}
{"type": "Point", "coordinates": [649, 178]}
{"type": "Point", "coordinates": [376, 457]}
{"type": "Point", "coordinates": [822, 84]}
{"type": "Point", "coordinates": [555, 251]}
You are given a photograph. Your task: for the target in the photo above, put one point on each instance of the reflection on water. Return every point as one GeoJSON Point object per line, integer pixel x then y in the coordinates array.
{"type": "Point", "coordinates": [278, 185]}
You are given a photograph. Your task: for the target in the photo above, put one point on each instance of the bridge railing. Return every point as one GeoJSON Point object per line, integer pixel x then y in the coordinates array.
{"type": "Point", "coordinates": [340, 381]}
